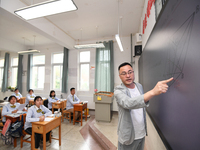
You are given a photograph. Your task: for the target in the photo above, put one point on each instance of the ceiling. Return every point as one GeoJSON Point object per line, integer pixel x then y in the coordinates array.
{"type": "Point", "coordinates": [94, 19]}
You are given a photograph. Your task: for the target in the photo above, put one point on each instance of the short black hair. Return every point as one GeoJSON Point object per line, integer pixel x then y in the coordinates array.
{"type": "Point", "coordinates": [11, 98]}
{"type": "Point", "coordinates": [37, 98]}
{"type": "Point", "coordinates": [72, 89]}
{"type": "Point", "coordinates": [30, 90]}
{"type": "Point", "coordinates": [16, 89]}
{"type": "Point", "coordinates": [124, 64]}
{"type": "Point", "coordinates": [51, 93]}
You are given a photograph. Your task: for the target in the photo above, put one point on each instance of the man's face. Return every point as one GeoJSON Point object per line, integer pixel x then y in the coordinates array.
{"type": "Point", "coordinates": [73, 92]}
{"type": "Point", "coordinates": [126, 74]}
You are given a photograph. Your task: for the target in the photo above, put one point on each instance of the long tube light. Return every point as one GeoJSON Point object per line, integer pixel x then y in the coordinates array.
{"type": "Point", "coordinates": [45, 9]}
{"type": "Point", "coordinates": [29, 51]}
{"type": "Point", "coordinates": [119, 42]}
{"type": "Point", "coordinates": [98, 45]}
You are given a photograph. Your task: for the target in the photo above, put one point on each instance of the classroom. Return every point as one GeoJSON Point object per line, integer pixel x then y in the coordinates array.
{"type": "Point", "coordinates": [99, 74]}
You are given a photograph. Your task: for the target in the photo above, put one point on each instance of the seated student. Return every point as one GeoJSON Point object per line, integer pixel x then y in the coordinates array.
{"type": "Point", "coordinates": [71, 100]}
{"type": "Point", "coordinates": [17, 94]}
{"type": "Point", "coordinates": [30, 96]}
{"type": "Point", "coordinates": [9, 108]}
{"type": "Point", "coordinates": [52, 98]}
{"type": "Point", "coordinates": [35, 113]}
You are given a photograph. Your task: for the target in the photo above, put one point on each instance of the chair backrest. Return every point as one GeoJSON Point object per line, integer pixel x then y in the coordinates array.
{"type": "Point", "coordinates": [1, 113]}
{"type": "Point", "coordinates": [22, 100]}
{"type": "Point", "coordinates": [46, 103]}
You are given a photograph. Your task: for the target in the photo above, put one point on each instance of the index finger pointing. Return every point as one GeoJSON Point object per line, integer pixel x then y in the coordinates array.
{"type": "Point", "coordinates": [168, 80]}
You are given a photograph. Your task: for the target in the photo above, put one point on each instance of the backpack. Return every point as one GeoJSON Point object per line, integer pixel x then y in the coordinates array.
{"type": "Point", "coordinates": [16, 128]}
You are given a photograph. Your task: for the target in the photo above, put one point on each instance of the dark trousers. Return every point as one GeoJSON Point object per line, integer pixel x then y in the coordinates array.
{"type": "Point", "coordinates": [37, 137]}
{"type": "Point", "coordinates": [54, 109]}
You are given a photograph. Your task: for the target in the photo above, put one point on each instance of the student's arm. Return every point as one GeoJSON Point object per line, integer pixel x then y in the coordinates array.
{"type": "Point", "coordinates": [77, 99]}
{"type": "Point", "coordinates": [70, 99]}
{"type": "Point", "coordinates": [20, 95]}
{"type": "Point", "coordinates": [50, 100]}
{"type": "Point", "coordinates": [57, 98]}
{"type": "Point", "coordinates": [46, 111]}
{"type": "Point", "coordinates": [6, 111]}
{"type": "Point", "coordinates": [29, 116]}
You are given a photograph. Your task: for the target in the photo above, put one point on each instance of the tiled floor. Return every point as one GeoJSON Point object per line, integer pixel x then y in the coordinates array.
{"type": "Point", "coordinates": [72, 139]}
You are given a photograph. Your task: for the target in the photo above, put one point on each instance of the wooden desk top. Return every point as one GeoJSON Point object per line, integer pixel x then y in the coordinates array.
{"type": "Point", "coordinates": [80, 105]}
{"type": "Point", "coordinates": [109, 94]}
{"type": "Point", "coordinates": [43, 123]}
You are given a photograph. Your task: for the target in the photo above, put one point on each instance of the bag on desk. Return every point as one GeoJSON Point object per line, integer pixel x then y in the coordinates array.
{"type": "Point", "coordinates": [16, 128]}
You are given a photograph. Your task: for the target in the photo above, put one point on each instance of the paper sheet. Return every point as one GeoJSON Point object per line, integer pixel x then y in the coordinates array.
{"type": "Point", "coordinates": [48, 119]}
{"type": "Point", "coordinates": [21, 107]}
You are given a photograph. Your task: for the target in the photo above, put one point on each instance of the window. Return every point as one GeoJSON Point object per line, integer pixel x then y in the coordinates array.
{"type": "Point", "coordinates": [1, 71]}
{"type": "Point", "coordinates": [14, 65]}
{"type": "Point", "coordinates": [38, 72]}
{"type": "Point", "coordinates": [84, 71]}
{"type": "Point", "coordinates": [57, 64]}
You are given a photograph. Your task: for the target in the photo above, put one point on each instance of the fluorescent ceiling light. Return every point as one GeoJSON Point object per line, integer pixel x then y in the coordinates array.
{"type": "Point", "coordinates": [119, 42]}
{"type": "Point", "coordinates": [46, 8]}
{"type": "Point", "coordinates": [29, 51]}
{"type": "Point", "coordinates": [98, 45]}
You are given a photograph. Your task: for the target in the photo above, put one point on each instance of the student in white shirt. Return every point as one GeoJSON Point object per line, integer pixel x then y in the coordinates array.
{"type": "Point", "coordinates": [71, 100]}
{"type": "Point", "coordinates": [35, 113]}
{"type": "Point", "coordinates": [10, 108]}
{"type": "Point", "coordinates": [52, 98]}
{"type": "Point", "coordinates": [30, 96]}
{"type": "Point", "coordinates": [17, 94]}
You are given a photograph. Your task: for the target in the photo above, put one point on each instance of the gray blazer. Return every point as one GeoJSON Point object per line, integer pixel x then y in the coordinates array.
{"type": "Point", "coordinates": [126, 134]}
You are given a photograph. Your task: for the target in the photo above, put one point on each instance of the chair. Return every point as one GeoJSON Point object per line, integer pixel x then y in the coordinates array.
{"type": "Point", "coordinates": [1, 123]}
{"type": "Point", "coordinates": [22, 100]}
{"type": "Point", "coordinates": [45, 103]}
{"type": "Point", "coordinates": [66, 114]}
{"type": "Point", "coordinates": [24, 133]}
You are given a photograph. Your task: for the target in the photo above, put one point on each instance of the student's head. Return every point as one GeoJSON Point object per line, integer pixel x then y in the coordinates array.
{"type": "Point", "coordinates": [12, 99]}
{"type": "Point", "coordinates": [126, 73]}
{"type": "Point", "coordinates": [38, 101]}
{"type": "Point", "coordinates": [16, 91]}
{"type": "Point", "coordinates": [52, 93]}
{"type": "Point", "coordinates": [72, 90]}
{"type": "Point", "coordinates": [30, 91]}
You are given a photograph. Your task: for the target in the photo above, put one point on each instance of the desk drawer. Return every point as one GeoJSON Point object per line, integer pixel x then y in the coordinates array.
{"type": "Point", "coordinates": [38, 128]}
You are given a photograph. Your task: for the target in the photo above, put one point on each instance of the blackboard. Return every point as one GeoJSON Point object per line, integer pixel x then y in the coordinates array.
{"type": "Point", "coordinates": [173, 50]}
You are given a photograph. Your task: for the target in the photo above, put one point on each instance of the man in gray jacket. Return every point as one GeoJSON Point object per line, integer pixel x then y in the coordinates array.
{"type": "Point", "coordinates": [131, 102]}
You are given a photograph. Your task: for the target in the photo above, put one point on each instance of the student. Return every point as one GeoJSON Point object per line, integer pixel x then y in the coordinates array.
{"type": "Point", "coordinates": [30, 96]}
{"type": "Point", "coordinates": [9, 108]}
{"type": "Point", "coordinates": [52, 98]}
{"type": "Point", "coordinates": [35, 113]}
{"type": "Point", "coordinates": [71, 100]}
{"type": "Point", "coordinates": [17, 94]}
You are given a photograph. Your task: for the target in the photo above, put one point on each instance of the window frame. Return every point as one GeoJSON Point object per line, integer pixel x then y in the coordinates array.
{"type": "Point", "coordinates": [12, 68]}
{"type": "Point", "coordinates": [39, 65]}
{"type": "Point", "coordinates": [52, 67]}
{"type": "Point", "coordinates": [1, 69]}
{"type": "Point", "coordinates": [79, 77]}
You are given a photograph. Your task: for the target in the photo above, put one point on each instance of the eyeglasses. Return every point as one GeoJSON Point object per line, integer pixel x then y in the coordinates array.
{"type": "Point", "coordinates": [125, 73]}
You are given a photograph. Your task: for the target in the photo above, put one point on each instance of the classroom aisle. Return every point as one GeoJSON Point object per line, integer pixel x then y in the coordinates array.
{"type": "Point", "coordinates": [72, 138]}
